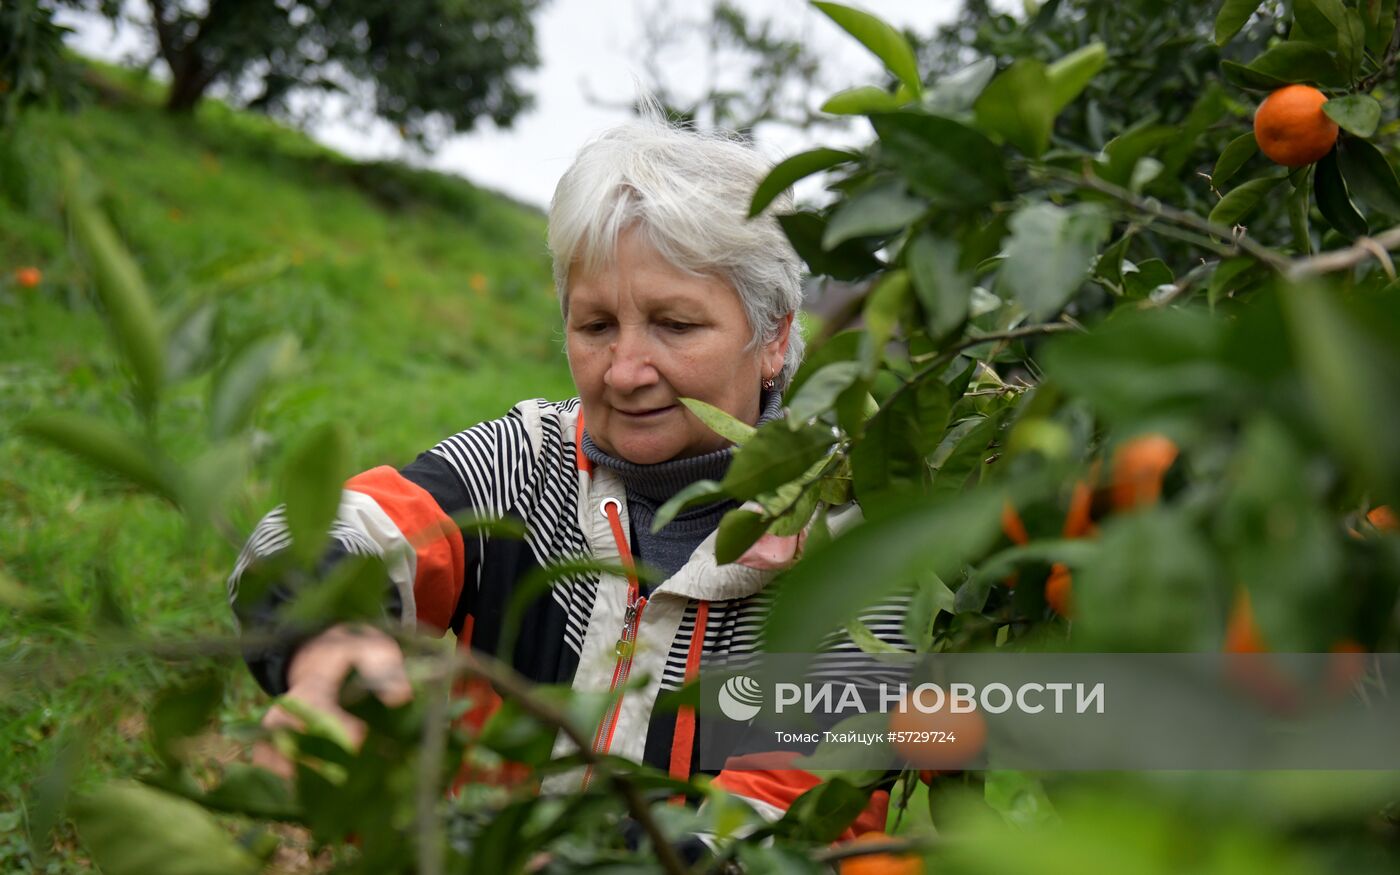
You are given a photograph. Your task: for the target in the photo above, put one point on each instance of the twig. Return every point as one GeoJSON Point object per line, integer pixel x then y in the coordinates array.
{"type": "Point", "coordinates": [430, 764]}
{"type": "Point", "coordinates": [951, 352]}
{"type": "Point", "coordinates": [1387, 63]}
{"type": "Point", "coordinates": [1181, 286]}
{"type": "Point", "coordinates": [1377, 247]}
{"type": "Point", "coordinates": [1153, 207]}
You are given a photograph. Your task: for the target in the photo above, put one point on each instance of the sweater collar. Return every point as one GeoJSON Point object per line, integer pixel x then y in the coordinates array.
{"type": "Point", "coordinates": [660, 481]}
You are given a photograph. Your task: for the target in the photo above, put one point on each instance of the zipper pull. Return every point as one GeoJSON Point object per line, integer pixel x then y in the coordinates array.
{"type": "Point", "coordinates": [629, 618]}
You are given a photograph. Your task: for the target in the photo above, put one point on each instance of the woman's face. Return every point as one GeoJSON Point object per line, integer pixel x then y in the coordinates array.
{"type": "Point", "coordinates": [643, 334]}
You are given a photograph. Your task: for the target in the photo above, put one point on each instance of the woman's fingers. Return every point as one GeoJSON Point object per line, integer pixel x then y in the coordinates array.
{"type": "Point", "coordinates": [317, 673]}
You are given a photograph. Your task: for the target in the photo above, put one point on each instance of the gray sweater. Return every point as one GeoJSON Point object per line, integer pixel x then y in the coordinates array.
{"type": "Point", "coordinates": [650, 486]}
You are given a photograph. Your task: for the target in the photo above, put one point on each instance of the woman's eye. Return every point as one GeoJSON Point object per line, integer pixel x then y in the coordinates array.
{"type": "Point", "coordinates": [595, 328]}
{"type": "Point", "coordinates": [673, 325]}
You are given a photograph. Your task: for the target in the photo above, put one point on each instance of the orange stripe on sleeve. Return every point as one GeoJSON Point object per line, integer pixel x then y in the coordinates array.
{"type": "Point", "coordinates": [435, 539]}
{"type": "Point", "coordinates": [761, 777]}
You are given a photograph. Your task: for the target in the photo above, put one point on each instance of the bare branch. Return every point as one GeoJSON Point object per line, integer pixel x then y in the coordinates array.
{"type": "Point", "coordinates": [1153, 208]}
{"type": "Point", "coordinates": [1377, 247]}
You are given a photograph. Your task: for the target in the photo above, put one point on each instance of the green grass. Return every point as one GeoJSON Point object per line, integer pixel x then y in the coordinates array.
{"type": "Point", "coordinates": [423, 305]}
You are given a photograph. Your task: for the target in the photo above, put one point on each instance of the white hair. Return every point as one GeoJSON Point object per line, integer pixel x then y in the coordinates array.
{"type": "Point", "coordinates": [688, 194]}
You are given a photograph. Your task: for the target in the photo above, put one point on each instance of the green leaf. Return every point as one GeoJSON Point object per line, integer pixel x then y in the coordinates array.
{"type": "Point", "coordinates": [253, 792]}
{"type": "Point", "coordinates": [190, 342]}
{"type": "Point", "coordinates": [898, 439]}
{"type": "Point", "coordinates": [1379, 25]}
{"type": "Point", "coordinates": [914, 537]}
{"type": "Point", "coordinates": [824, 812]}
{"type": "Point", "coordinates": [1208, 109]}
{"type": "Point", "coordinates": [1223, 278]}
{"type": "Point", "coordinates": [1369, 175]}
{"type": "Point", "coordinates": [789, 171]}
{"type": "Point", "coordinates": [313, 475]}
{"type": "Point", "coordinates": [819, 392]}
{"type": "Point", "coordinates": [1233, 157]}
{"type": "Point", "coordinates": [877, 211]}
{"type": "Point", "coordinates": [517, 735]}
{"type": "Point", "coordinates": [738, 531]}
{"type": "Point", "coordinates": [1243, 199]}
{"type": "Point", "coordinates": [775, 455]}
{"type": "Point", "coordinates": [1019, 798]}
{"type": "Point", "coordinates": [865, 99]}
{"type": "Point", "coordinates": [1149, 276]}
{"type": "Point", "coordinates": [130, 314]}
{"type": "Point", "coordinates": [1333, 201]}
{"type": "Point", "coordinates": [931, 597]}
{"type": "Point", "coordinates": [1296, 62]}
{"type": "Point", "coordinates": [1357, 114]}
{"type": "Point", "coordinates": [944, 160]}
{"type": "Point", "coordinates": [941, 286]}
{"type": "Point", "coordinates": [1346, 352]}
{"type": "Point", "coordinates": [720, 422]}
{"type": "Point", "coordinates": [1124, 152]}
{"type": "Point", "coordinates": [1018, 107]}
{"type": "Point", "coordinates": [955, 93]}
{"type": "Point", "coordinates": [1232, 17]}
{"type": "Point", "coordinates": [886, 43]}
{"type": "Point", "coordinates": [699, 492]}
{"type": "Point", "coordinates": [849, 261]}
{"type": "Point", "coordinates": [182, 711]}
{"type": "Point", "coordinates": [962, 451]}
{"type": "Point", "coordinates": [1239, 75]}
{"type": "Point", "coordinates": [242, 384]}
{"type": "Point", "coordinates": [881, 315]}
{"type": "Point", "coordinates": [865, 639]}
{"type": "Point", "coordinates": [796, 518]}
{"type": "Point", "coordinates": [1070, 75]}
{"type": "Point", "coordinates": [1319, 21]}
{"type": "Point", "coordinates": [100, 444]}
{"type": "Point", "coordinates": [1164, 362]}
{"type": "Point", "coordinates": [841, 347]}
{"type": "Point", "coordinates": [135, 830]}
{"type": "Point", "coordinates": [1050, 252]}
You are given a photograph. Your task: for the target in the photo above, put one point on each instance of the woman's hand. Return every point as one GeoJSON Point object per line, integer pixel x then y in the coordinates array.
{"type": "Point", "coordinates": [316, 673]}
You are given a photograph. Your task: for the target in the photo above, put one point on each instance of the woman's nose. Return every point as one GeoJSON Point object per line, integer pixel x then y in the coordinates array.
{"type": "Point", "coordinates": [630, 364]}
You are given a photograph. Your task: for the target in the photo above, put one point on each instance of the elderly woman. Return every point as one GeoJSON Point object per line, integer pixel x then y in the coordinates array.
{"type": "Point", "coordinates": [667, 292]}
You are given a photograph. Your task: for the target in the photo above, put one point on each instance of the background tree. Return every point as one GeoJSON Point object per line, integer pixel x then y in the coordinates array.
{"type": "Point", "coordinates": [738, 72]}
{"type": "Point", "coordinates": [432, 67]}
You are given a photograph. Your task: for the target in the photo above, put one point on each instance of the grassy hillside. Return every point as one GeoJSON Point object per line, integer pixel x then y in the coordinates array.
{"type": "Point", "coordinates": [422, 304]}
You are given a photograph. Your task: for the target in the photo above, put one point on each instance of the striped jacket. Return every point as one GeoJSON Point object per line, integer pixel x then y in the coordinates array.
{"type": "Point", "coordinates": [528, 466]}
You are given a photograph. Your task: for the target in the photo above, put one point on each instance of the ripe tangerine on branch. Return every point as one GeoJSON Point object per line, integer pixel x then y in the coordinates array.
{"type": "Point", "coordinates": [1291, 128]}
{"type": "Point", "coordinates": [1139, 467]}
{"type": "Point", "coordinates": [1059, 587]}
{"type": "Point", "coordinates": [880, 864]}
{"type": "Point", "coordinates": [28, 277]}
{"type": "Point", "coordinates": [941, 740]}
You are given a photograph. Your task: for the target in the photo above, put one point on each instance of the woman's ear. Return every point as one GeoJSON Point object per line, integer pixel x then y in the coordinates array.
{"type": "Point", "coordinates": [775, 351]}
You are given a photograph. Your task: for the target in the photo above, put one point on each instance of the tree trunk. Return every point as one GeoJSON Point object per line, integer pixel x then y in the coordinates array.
{"type": "Point", "coordinates": [186, 88]}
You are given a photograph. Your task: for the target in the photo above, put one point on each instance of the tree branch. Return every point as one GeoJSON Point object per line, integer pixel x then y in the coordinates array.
{"type": "Point", "coordinates": [947, 355]}
{"type": "Point", "coordinates": [1377, 247]}
{"type": "Point", "coordinates": [1154, 208]}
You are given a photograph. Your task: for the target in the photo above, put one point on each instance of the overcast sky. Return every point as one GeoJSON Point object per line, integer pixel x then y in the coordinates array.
{"type": "Point", "coordinates": [586, 47]}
